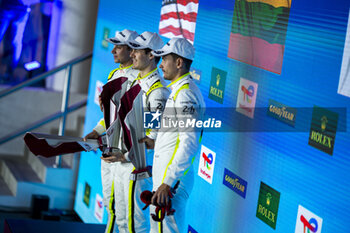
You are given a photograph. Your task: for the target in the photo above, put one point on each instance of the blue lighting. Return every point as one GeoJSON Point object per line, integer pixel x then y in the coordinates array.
{"type": "Point", "coordinates": [32, 65]}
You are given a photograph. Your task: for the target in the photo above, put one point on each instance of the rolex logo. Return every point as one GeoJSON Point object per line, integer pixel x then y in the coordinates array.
{"type": "Point", "coordinates": [217, 85]}
{"type": "Point", "coordinates": [324, 122]}
{"type": "Point", "coordinates": [218, 80]}
{"type": "Point", "coordinates": [268, 198]}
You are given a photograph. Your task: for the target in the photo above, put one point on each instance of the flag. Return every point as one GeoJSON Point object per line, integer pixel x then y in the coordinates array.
{"type": "Point", "coordinates": [258, 33]}
{"type": "Point", "coordinates": [115, 88]}
{"type": "Point", "coordinates": [178, 19]}
{"type": "Point", "coordinates": [52, 145]}
{"type": "Point", "coordinates": [344, 80]}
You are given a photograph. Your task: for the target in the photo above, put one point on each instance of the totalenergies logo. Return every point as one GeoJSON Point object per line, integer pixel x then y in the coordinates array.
{"type": "Point", "coordinates": [310, 226]}
{"type": "Point", "coordinates": [100, 204]}
{"type": "Point", "coordinates": [308, 222]}
{"type": "Point", "coordinates": [248, 93]}
{"type": "Point", "coordinates": [206, 164]}
{"type": "Point", "coordinates": [208, 160]}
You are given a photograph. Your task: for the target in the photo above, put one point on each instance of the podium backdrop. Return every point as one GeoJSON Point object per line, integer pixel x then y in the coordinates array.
{"type": "Point", "coordinates": [277, 74]}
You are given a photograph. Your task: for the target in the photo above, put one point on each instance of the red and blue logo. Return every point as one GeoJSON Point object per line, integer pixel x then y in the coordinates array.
{"type": "Point", "coordinates": [310, 226]}
{"type": "Point", "coordinates": [208, 160]}
{"type": "Point", "coordinates": [308, 222]}
{"type": "Point", "coordinates": [248, 93]}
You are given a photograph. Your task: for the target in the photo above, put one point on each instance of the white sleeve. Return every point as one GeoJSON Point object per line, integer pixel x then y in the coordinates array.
{"type": "Point", "coordinates": [156, 101]}
{"type": "Point", "coordinates": [100, 128]}
{"type": "Point", "coordinates": [187, 109]}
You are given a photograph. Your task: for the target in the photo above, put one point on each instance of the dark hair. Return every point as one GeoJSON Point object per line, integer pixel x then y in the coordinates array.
{"type": "Point", "coordinates": [187, 62]}
{"type": "Point", "coordinates": [128, 48]}
{"type": "Point", "coordinates": [156, 58]}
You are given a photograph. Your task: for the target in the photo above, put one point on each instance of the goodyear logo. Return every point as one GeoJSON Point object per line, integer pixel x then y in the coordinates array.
{"type": "Point", "coordinates": [196, 74]}
{"type": "Point", "coordinates": [282, 112]}
{"type": "Point", "coordinates": [235, 183]}
{"type": "Point", "coordinates": [191, 230]}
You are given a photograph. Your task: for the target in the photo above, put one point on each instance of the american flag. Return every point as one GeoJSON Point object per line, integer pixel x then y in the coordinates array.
{"type": "Point", "coordinates": [178, 18]}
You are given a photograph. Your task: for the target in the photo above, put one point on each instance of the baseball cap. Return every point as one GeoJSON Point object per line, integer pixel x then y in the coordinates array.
{"type": "Point", "coordinates": [179, 46]}
{"type": "Point", "coordinates": [122, 37]}
{"type": "Point", "coordinates": [147, 39]}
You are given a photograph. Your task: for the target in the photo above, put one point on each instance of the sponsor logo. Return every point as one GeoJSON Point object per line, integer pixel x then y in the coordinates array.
{"type": "Point", "coordinates": [115, 40]}
{"type": "Point", "coordinates": [247, 93]}
{"type": "Point", "coordinates": [122, 34]}
{"type": "Point", "coordinates": [191, 230]}
{"type": "Point", "coordinates": [152, 120]}
{"type": "Point", "coordinates": [235, 183]}
{"type": "Point", "coordinates": [196, 75]}
{"type": "Point", "coordinates": [217, 85]}
{"type": "Point", "coordinates": [142, 37]}
{"type": "Point", "coordinates": [323, 129]}
{"type": "Point", "coordinates": [206, 164]}
{"type": "Point", "coordinates": [281, 112]}
{"type": "Point", "coordinates": [98, 90]}
{"type": "Point", "coordinates": [87, 192]}
{"type": "Point", "coordinates": [158, 51]}
{"type": "Point", "coordinates": [307, 222]}
{"type": "Point", "coordinates": [268, 203]}
{"type": "Point", "coordinates": [105, 35]}
{"type": "Point", "coordinates": [98, 212]}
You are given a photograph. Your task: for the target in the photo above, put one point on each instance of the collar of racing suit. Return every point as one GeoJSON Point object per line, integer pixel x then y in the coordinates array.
{"type": "Point", "coordinates": [122, 68]}
{"type": "Point", "coordinates": [179, 82]}
{"type": "Point", "coordinates": [147, 80]}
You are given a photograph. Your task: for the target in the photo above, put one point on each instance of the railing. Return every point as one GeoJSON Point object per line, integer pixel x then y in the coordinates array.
{"type": "Point", "coordinates": [65, 109]}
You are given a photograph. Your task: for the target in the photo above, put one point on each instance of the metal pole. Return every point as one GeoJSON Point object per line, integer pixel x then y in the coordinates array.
{"type": "Point", "coordinates": [65, 99]}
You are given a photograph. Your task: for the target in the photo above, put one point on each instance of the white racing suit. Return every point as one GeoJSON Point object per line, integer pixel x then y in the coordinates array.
{"type": "Point", "coordinates": [130, 216]}
{"type": "Point", "coordinates": [175, 149]}
{"type": "Point", "coordinates": [108, 170]}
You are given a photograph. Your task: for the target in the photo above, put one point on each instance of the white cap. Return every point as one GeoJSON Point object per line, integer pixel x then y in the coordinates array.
{"type": "Point", "coordinates": [123, 37]}
{"type": "Point", "coordinates": [147, 39]}
{"type": "Point", "coordinates": [179, 46]}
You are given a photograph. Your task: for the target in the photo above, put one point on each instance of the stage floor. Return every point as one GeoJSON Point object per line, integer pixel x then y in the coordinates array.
{"type": "Point", "coordinates": [44, 226]}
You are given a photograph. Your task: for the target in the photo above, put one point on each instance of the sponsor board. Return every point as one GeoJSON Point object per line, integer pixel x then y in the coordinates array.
{"type": "Point", "coordinates": [206, 164]}
{"type": "Point", "coordinates": [323, 129]}
{"type": "Point", "coordinates": [191, 230]}
{"type": "Point", "coordinates": [217, 85]}
{"type": "Point", "coordinates": [99, 208]}
{"type": "Point", "coordinates": [196, 74]}
{"type": "Point", "coordinates": [247, 93]}
{"type": "Point", "coordinates": [282, 112]}
{"type": "Point", "coordinates": [105, 35]}
{"type": "Point", "coordinates": [87, 193]}
{"type": "Point", "coordinates": [235, 183]}
{"type": "Point", "coordinates": [307, 222]}
{"type": "Point", "coordinates": [268, 204]}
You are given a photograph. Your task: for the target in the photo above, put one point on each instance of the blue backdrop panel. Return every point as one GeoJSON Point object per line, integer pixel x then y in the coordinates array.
{"type": "Point", "coordinates": [273, 152]}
